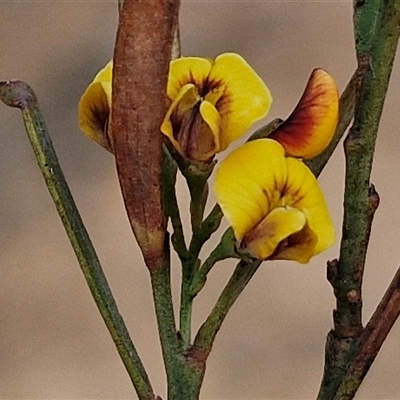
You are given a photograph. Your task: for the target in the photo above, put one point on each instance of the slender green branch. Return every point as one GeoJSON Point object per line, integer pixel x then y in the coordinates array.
{"type": "Point", "coordinates": [19, 94]}
{"type": "Point", "coordinates": [377, 31]}
{"type": "Point", "coordinates": [192, 286]}
{"type": "Point", "coordinates": [161, 284]}
{"type": "Point", "coordinates": [196, 176]}
{"type": "Point", "coordinates": [206, 335]}
{"type": "Point", "coordinates": [169, 170]}
{"type": "Point", "coordinates": [225, 249]}
{"type": "Point", "coordinates": [198, 188]}
{"type": "Point", "coordinates": [342, 342]}
{"type": "Point", "coordinates": [266, 130]}
{"type": "Point", "coordinates": [184, 376]}
{"type": "Point", "coordinates": [346, 114]}
{"type": "Point", "coordinates": [211, 223]}
{"type": "Point", "coordinates": [374, 68]}
{"type": "Point", "coordinates": [189, 268]}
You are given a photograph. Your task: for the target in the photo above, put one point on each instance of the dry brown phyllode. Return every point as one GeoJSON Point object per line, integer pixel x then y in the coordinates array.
{"type": "Point", "coordinates": [141, 62]}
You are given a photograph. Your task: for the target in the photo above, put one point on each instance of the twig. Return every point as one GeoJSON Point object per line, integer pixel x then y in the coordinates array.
{"type": "Point", "coordinates": [375, 54]}
{"type": "Point", "coordinates": [377, 30]}
{"type": "Point", "coordinates": [342, 342]}
{"type": "Point", "coordinates": [19, 94]}
{"type": "Point", "coordinates": [169, 171]}
{"type": "Point", "coordinates": [198, 188]}
{"type": "Point", "coordinates": [161, 284]}
{"type": "Point", "coordinates": [225, 249]}
{"type": "Point", "coordinates": [206, 335]}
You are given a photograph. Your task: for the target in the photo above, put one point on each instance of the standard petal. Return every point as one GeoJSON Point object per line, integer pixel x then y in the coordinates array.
{"type": "Point", "coordinates": [310, 127]}
{"type": "Point", "coordinates": [248, 184]}
{"type": "Point", "coordinates": [186, 70]}
{"type": "Point", "coordinates": [303, 193]}
{"type": "Point", "coordinates": [94, 107]}
{"type": "Point", "coordinates": [267, 237]}
{"type": "Point", "coordinates": [245, 100]}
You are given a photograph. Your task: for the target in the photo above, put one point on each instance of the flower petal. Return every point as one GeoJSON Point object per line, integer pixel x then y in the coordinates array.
{"type": "Point", "coordinates": [255, 181]}
{"type": "Point", "coordinates": [208, 145]}
{"type": "Point", "coordinates": [247, 184]}
{"type": "Point", "coordinates": [182, 103]}
{"type": "Point", "coordinates": [303, 192]}
{"type": "Point", "coordinates": [245, 100]}
{"type": "Point", "coordinates": [311, 125]}
{"type": "Point", "coordinates": [299, 246]}
{"type": "Point", "coordinates": [94, 107]}
{"type": "Point", "coordinates": [276, 227]}
{"type": "Point", "coordinates": [186, 70]}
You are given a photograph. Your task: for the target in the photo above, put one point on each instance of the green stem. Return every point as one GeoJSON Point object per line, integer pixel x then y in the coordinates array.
{"type": "Point", "coordinates": [240, 278]}
{"type": "Point", "coordinates": [186, 310]}
{"type": "Point", "coordinates": [169, 170]}
{"type": "Point", "coordinates": [198, 188]}
{"type": "Point", "coordinates": [184, 376]}
{"type": "Point", "coordinates": [192, 286]}
{"type": "Point", "coordinates": [196, 178]}
{"type": "Point", "coordinates": [211, 223]}
{"type": "Point", "coordinates": [266, 130]}
{"type": "Point", "coordinates": [19, 94]}
{"type": "Point", "coordinates": [377, 31]}
{"type": "Point", "coordinates": [162, 296]}
{"type": "Point", "coordinates": [225, 249]}
{"type": "Point", "coordinates": [374, 68]}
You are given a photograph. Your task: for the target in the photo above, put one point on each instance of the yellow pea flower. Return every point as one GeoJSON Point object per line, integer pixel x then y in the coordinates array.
{"type": "Point", "coordinates": [213, 104]}
{"type": "Point", "coordinates": [310, 127]}
{"type": "Point", "coordinates": [273, 203]}
{"type": "Point", "coordinates": [94, 108]}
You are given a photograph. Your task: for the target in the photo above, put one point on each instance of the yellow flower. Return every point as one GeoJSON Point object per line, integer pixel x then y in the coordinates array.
{"type": "Point", "coordinates": [273, 203]}
{"type": "Point", "coordinates": [94, 108]}
{"type": "Point", "coordinates": [310, 127]}
{"type": "Point", "coordinates": [213, 104]}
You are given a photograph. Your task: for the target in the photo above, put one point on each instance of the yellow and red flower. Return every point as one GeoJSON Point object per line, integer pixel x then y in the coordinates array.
{"type": "Point", "coordinates": [270, 198]}
{"type": "Point", "coordinates": [94, 108]}
{"type": "Point", "coordinates": [273, 203]}
{"type": "Point", "coordinates": [310, 127]}
{"type": "Point", "coordinates": [213, 104]}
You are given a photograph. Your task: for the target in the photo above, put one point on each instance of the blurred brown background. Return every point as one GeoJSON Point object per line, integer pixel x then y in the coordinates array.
{"type": "Point", "coordinates": [53, 343]}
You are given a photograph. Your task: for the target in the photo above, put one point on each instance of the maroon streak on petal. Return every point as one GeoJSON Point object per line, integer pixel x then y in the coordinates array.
{"type": "Point", "coordinates": [311, 125]}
